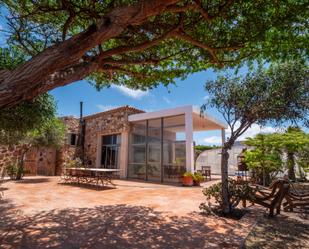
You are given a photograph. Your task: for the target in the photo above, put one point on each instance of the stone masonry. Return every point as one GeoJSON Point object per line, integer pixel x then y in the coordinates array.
{"type": "Point", "coordinates": [105, 123]}
{"type": "Point", "coordinates": [47, 161]}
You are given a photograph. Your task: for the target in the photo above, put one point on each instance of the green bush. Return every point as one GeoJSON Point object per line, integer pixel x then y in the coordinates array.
{"type": "Point", "coordinates": [13, 170]}
{"type": "Point", "coordinates": [237, 192]}
{"type": "Point", "coordinates": [75, 163]}
{"type": "Point", "coordinates": [188, 174]}
{"type": "Point", "coordinates": [198, 177]}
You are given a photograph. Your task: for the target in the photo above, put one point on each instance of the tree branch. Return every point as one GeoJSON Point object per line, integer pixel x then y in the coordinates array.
{"type": "Point", "coordinates": [185, 37]}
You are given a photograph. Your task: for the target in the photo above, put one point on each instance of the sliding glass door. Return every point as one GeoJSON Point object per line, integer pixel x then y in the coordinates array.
{"type": "Point", "coordinates": [153, 168]}
{"type": "Point", "coordinates": [157, 150]}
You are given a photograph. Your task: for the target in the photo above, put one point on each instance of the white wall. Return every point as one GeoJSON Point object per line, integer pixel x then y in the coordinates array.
{"type": "Point", "coordinates": [213, 158]}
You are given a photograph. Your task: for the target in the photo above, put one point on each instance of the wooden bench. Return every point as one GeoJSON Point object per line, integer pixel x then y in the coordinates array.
{"type": "Point", "coordinates": [296, 199]}
{"type": "Point", "coordinates": [271, 197]}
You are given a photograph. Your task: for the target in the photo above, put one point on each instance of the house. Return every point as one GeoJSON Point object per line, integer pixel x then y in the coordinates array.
{"type": "Point", "coordinates": [153, 146]}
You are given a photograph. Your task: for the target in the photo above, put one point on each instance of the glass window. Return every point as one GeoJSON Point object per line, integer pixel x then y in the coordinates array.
{"type": "Point", "coordinates": [174, 148]}
{"type": "Point", "coordinates": [137, 150]}
{"type": "Point", "coordinates": [110, 151]}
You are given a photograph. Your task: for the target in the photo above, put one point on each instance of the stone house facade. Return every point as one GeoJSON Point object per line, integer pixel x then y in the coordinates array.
{"type": "Point", "coordinates": [48, 161]}
{"type": "Point", "coordinates": [152, 146]}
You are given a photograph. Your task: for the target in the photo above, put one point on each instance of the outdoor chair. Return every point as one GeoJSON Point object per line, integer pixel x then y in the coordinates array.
{"type": "Point", "coordinates": [271, 197]}
{"type": "Point", "coordinates": [296, 199]}
{"type": "Point", "coordinates": [206, 172]}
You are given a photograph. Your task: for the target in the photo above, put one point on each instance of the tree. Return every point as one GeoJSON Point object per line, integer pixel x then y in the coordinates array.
{"type": "Point", "coordinates": [263, 159]}
{"type": "Point", "coordinates": [16, 122]}
{"type": "Point", "coordinates": [294, 143]}
{"type": "Point", "coordinates": [50, 134]}
{"type": "Point", "coordinates": [142, 43]}
{"type": "Point", "coordinates": [275, 95]}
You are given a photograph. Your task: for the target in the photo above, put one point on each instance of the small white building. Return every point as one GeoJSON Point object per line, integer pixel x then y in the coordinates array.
{"type": "Point", "coordinates": [212, 158]}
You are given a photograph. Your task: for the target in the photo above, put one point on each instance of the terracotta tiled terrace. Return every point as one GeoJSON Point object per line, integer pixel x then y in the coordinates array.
{"type": "Point", "coordinates": [39, 212]}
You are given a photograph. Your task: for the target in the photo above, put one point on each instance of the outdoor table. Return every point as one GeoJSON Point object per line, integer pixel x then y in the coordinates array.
{"type": "Point", "coordinates": [90, 175]}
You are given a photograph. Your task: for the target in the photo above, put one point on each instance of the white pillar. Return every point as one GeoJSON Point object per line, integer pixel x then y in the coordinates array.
{"type": "Point", "coordinates": [124, 155]}
{"type": "Point", "coordinates": [189, 142]}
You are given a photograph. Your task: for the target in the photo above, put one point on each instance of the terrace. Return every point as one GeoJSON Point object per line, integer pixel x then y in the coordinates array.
{"type": "Point", "coordinates": [38, 212]}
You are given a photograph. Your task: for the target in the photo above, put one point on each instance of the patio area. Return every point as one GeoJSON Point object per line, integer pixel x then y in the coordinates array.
{"type": "Point", "coordinates": [38, 212]}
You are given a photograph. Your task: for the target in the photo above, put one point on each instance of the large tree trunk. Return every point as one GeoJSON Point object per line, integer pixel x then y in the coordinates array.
{"type": "Point", "coordinates": [291, 166]}
{"type": "Point", "coordinates": [62, 63]}
{"type": "Point", "coordinates": [224, 179]}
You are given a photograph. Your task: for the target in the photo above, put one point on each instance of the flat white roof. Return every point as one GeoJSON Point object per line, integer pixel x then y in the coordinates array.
{"type": "Point", "coordinates": [200, 123]}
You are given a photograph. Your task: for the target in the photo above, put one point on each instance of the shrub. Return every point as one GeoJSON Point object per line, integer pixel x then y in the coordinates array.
{"type": "Point", "coordinates": [75, 163]}
{"type": "Point", "coordinates": [237, 192]}
{"type": "Point", "coordinates": [13, 170]}
{"type": "Point", "coordinates": [188, 174]}
{"type": "Point", "coordinates": [198, 177]}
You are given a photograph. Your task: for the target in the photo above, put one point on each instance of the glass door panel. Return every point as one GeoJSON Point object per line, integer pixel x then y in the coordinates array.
{"type": "Point", "coordinates": [137, 151]}
{"type": "Point", "coordinates": [154, 150]}
{"type": "Point", "coordinates": [109, 152]}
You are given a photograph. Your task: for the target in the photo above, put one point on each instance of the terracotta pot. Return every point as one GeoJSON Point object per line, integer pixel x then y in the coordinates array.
{"type": "Point", "coordinates": [187, 181]}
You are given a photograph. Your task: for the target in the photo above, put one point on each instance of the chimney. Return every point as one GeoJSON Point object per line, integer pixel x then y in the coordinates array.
{"type": "Point", "coordinates": [81, 111]}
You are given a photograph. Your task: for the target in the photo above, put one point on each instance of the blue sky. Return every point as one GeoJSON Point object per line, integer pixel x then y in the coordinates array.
{"type": "Point", "coordinates": [187, 92]}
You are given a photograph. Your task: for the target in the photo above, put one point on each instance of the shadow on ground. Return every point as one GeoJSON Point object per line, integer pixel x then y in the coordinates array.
{"type": "Point", "coordinates": [33, 180]}
{"type": "Point", "coordinates": [87, 186]}
{"type": "Point", "coordinates": [113, 226]}
{"type": "Point", "coordinates": [282, 231]}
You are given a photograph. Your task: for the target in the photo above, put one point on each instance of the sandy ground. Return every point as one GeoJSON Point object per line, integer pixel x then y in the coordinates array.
{"type": "Point", "coordinates": [40, 212]}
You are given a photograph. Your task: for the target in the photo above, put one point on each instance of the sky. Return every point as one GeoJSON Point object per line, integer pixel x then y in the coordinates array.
{"type": "Point", "coordinates": [187, 92]}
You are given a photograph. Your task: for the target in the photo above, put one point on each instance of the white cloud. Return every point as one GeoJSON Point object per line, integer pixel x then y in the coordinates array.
{"type": "Point", "coordinates": [212, 140]}
{"type": "Point", "coordinates": [206, 97]}
{"type": "Point", "coordinates": [104, 108]}
{"type": "Point", "coordinates": [167, 100]}
{"type": "Point", "coordinates": [251, 132]}
{"type": "Point", "coordinates": [135, 94]}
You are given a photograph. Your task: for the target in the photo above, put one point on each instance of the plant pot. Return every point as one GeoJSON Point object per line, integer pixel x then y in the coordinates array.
{"type": "Point", "coordinates": [187, 181]}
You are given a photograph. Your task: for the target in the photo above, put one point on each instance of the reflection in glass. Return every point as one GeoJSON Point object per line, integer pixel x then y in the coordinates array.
{"type": "Point", "coordinates": [174, 148]}
{"type": "Point", "coordinates": [137, 151]}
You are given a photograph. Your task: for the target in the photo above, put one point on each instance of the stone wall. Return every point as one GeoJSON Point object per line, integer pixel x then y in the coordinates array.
{"type": "Point", "coordinates": [8, 155]}
{"type": "Point", "coordinates": [105, 123]}
{"type": "Point", "coordinates": [67, 152]}
{"type": "Point", "coordinates": [48, 161]}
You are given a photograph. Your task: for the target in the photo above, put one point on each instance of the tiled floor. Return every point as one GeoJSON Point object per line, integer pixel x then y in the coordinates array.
{"type": "Point", "coordinates": [39, 212]}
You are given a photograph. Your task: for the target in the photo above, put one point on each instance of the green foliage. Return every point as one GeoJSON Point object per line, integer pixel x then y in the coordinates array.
{"type": "Point", "coordinates": [50, 134]}
{"type": "Point", "coordinates": [198, 177]}
{"type": "Point", "coordinates": [10, 58]}
{"type": "Point", "coordinates": [188, 174]}
{"type": "Point", "coordinates": [264, 160]}
{"type": "Point", "coordinates": [277, 94]}
{"type": "Point", "coordinates": [234, 32]}
{"type": "Point", "coordinates": [268, 150]}
{"type": "Point", "coordinates": [206, 147]}
{"type": "Point", "coordinates": [13, 170]}
{"type": "Point", "coordinates": [16, 122]}
{"type": "Point", "coordinates": [75, 163]}
{"type": "Point", "coordinates": [294, 142]}
{"type": "Point", "coordinates": [237, 192]}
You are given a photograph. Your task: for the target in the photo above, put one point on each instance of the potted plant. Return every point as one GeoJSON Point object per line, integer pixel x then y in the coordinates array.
{"type": "Point", "coordinates": [197, 179]}
{"type": "Point", "coordinates": [187, 179]}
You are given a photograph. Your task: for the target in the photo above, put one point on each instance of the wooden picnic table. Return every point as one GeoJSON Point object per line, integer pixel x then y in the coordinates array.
{"type": "Point", "coordinates": [97, 176]}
